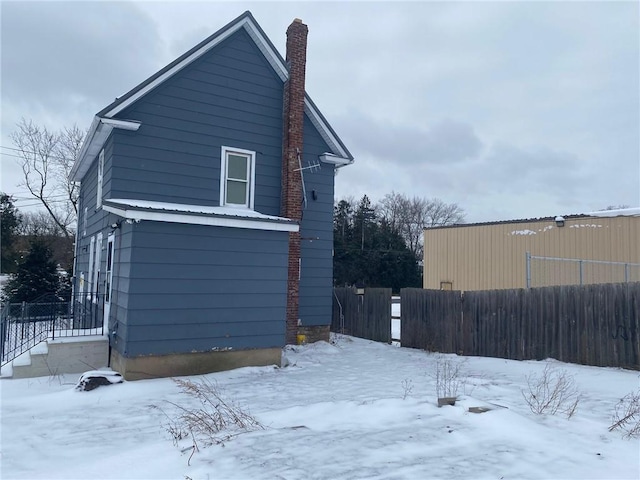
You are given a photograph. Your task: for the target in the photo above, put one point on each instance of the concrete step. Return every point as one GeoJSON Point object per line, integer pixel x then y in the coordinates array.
{"type": "Point", "coordinates": [61, 356]}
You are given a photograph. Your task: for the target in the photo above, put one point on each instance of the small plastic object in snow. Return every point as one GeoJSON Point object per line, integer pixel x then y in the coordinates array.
{"type": "Point", "coordinates": [96, 378]}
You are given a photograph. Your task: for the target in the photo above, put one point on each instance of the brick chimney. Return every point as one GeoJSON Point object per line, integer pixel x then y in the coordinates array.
{"type": "Point", "coordinates": [291, 207]}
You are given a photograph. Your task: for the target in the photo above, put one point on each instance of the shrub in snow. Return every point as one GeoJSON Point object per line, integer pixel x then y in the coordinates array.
{"type": "Point", "coordinates": [626, 417]}
{"type": "Point", "coordinates": [407, 387]}
{"type": "Point", "coordinates": [214, 420]}
{"type": "Point", "coordinates": [552, 392]}
{"type": "Point", "coordinates": [449, 378]}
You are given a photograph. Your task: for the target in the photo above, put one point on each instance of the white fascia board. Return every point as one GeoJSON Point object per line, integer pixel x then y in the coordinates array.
{"type": "Point", "coordinates": [99, 131]}
{"type": "Point", "coordinates": [122, 124]}
{"type": "Point", "coordinates": [245, 23]}
{"type": "Point", "coordinates": [263, 45]}
{"type": "Point", "coordinates": [335, 160]}
{"type": "Point", "coordinates": [323, 128]}
{"type": "Point", "coordinates": [272, 57]}
{"type": "Point", "coordinates": [73, 174]}
{"type": "Point", "coordinates": [217, 221]}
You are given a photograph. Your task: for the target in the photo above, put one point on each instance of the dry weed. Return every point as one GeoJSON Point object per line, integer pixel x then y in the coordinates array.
{"type": "Point", "coordinates": [626, 417]}
{"type": "Point", "coordinates": [553, 392]}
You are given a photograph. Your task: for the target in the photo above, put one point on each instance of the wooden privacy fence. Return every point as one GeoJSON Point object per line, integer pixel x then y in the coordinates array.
{"type": "Point", "coordinates": [365, 316]}
{"type": "Point", "coordinates": [592, 325]}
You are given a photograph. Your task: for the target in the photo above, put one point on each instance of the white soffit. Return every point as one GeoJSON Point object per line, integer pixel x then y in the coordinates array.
{"type": "Point", "coordinates": [99, 131]}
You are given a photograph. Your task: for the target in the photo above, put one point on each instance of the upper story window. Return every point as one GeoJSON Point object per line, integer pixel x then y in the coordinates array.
{"type": "Point", "coordinates": [237, 178]}
{"type": "Point", "coordinates": [100, 177]}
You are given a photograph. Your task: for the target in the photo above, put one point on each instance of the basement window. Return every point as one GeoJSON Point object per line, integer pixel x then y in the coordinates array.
{"type": "Point", "coordinates": [237, 177]}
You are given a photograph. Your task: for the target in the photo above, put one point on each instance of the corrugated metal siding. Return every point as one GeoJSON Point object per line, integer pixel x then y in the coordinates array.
{"type": "Point", "coordinates": [231, 97]}
{"type": "Point", "coordinates": [198, 288]}
{"type": "Point", "coordinates": [486, 257]}
{"type": "Point", "coordinates": [316, 280]}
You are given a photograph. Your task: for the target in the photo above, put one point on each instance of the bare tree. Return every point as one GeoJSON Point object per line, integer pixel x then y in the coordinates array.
{"type": "Point", "coordinates": [38, 224]}
{"type": "Point", "coordinates": [46, 158]}
{"type": "Point", "coordinates": [410, 216]}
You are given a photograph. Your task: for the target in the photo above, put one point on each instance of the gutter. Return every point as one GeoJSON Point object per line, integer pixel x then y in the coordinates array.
{"type": "Point", "coordinates": [98, 133]}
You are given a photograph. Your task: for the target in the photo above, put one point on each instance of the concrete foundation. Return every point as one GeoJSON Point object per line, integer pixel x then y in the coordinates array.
{"type": "Point", "coordinates": [313, 334]}
{"type": "Point", "coordinates": [160, 366]}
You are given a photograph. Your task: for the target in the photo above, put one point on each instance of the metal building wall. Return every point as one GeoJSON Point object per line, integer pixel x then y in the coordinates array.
{"type": "Point", "coordinates": [493, 256]}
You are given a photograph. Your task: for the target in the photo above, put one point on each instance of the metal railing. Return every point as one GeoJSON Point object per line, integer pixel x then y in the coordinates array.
{"type": "Point", "coordinates": [550, 271]}
{"type": "Point", "coordinates": [24, 325]}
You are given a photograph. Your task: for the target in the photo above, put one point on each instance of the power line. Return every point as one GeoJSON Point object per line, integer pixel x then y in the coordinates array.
{"type": "Point", "coordinates": [58, 195]}
{"type": "Point", "coordinates": [53, 157]}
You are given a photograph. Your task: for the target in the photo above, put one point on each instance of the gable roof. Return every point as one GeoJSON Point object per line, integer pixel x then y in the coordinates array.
{"type": "Point", "coordinates": [98, 132]}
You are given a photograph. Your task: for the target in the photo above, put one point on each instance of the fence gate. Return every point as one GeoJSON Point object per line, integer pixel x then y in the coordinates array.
{"type": "Point", "coordinates": [365, 315]}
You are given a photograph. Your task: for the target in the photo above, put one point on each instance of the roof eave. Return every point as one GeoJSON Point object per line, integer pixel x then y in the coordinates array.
{"type": "Point", "coordinates": [248, 22]}
{"type": "Point", "coordinates": [194, 218]}
{"type": "Point", "coordinates": [335, 160]}
{"type": "Point", "coordinates": [98, 133]}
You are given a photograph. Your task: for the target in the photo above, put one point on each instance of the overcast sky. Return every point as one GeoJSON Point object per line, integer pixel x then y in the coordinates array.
{"type": "Point", "coordinates": [511, 110]}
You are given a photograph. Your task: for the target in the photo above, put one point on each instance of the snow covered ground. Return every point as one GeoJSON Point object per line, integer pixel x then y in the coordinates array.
{"type": "Point", "coordinates": [355, 409]}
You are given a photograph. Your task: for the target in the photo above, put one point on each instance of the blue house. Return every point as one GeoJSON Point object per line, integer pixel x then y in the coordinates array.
{"type": "Point", "coordinates": [205, 214]}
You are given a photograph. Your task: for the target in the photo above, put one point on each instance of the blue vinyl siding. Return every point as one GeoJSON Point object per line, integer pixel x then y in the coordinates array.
{"type": "Point", "coordinates": [181, 288]}
{"type": "Point", "coordinates": [316, 251]}
{"type": "Point", "coordinates": [100, 221]}
{"type": "Point", "coordinates": [186, 295]}
{"type": "Point", "coordinates": [229, 97]}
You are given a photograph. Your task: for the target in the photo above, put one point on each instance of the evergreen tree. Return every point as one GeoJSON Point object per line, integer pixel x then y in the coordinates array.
{"type": "Point", "coordinates": [36, 275]}
{"type": "Point", "coordinates": [9, 223]}
{"type": "Point", "coordinates": [369, 250]}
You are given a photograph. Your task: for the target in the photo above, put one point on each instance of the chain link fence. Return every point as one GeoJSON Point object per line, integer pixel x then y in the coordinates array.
{"type": "Point", "coordinates": [550, 271]}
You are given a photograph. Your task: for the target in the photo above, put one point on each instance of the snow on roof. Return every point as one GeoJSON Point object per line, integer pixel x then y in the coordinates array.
{"type": "Point", "coordinates": [197, 214]}
{"type": "Point", "coordinates": [202, 209]}
{"type": "Point", "coordinates": [620, 212]}
{"type": "Point", "coordinates": [629, 212]}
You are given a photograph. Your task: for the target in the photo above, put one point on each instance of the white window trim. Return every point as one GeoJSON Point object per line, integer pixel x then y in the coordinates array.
{"type": "Point", "coordinates": [223, 176]}
{"type": "Point", "coordinates": [100, 179]}
{"type": "Point", "coordinates": [81, 286]}
{"type": "Point", "coordinates": [96, 270]}
{"type": "Point", "coordinates": [111, 248]}
{"type": "Point", "coordinates": [84, 222]}
{"type": "Point", "coordinates": [92, 248]}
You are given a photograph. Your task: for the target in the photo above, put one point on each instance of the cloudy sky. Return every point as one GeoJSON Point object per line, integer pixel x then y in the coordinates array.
{"type": "Point", "coordinates": [511, 110]}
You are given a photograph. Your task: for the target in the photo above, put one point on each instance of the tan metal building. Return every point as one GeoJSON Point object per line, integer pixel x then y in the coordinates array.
{"type": "Point", "coordinates": [601, 247]}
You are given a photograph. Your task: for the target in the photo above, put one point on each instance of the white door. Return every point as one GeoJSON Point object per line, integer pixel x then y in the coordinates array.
{"type": "Point", "coordinates": [108, 282]}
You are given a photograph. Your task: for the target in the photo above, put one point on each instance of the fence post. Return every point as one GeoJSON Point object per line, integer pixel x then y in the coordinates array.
{"type": "Point", "coordinates": [580, 262]}
{"type": "Point", "coordinates": [528, 257]}
{"type": "Point", "coordinates": [626, 273]}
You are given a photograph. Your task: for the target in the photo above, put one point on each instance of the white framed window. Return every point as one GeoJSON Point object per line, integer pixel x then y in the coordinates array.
{"type": "Point", "coordinates": [237, 177]}
{"type": "Point", "coordinates": [84, 222]}
{"type": "Point", "coordinates": [100, 178]}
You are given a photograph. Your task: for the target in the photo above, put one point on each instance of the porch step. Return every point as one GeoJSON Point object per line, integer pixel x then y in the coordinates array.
{"type": "Point", "coordinates": [60, 356]}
